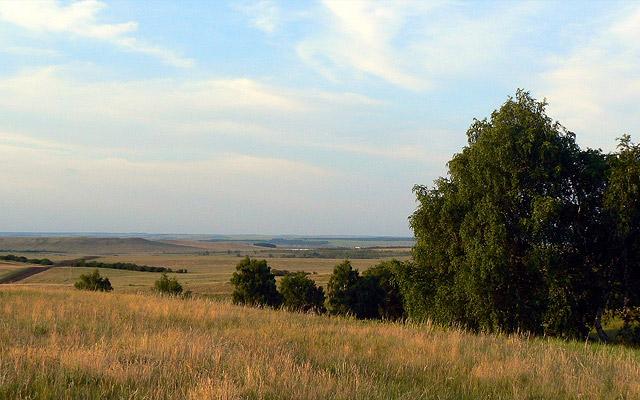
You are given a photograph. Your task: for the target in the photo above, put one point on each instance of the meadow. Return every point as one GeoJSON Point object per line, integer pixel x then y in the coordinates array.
{"type": "Point", "coordinates": [207, 274]}
{"type": "Point", "coordinates": [62, 344]}
{"type": "Point", "coordinates": [209, 264]}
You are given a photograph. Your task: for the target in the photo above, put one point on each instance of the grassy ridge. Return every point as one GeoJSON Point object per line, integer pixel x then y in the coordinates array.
{"type": "Point", "coordinates": [68, 344]}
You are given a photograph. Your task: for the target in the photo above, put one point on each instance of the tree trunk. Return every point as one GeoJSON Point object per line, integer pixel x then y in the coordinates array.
{"type": "Point", "coordinates": [601, 333]}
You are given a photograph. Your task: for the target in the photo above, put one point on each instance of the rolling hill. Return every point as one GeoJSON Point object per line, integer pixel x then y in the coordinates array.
{"type": "Point", "coordinates": [90, 245]}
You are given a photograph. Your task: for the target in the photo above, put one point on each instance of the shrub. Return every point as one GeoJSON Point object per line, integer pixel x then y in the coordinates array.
{"type": "Point", "coordinates": [94, 282]}
{"type": "Point", "coordinates": [255, 284]}
{"type": "Point", "coordinates": [341, 289]}
{"type": "Point", "coordinates": [374, 294]}
{"type": "Point", "coordinates": [299, 293]}
{"type": "Point", "coordinates": [389, 301]}
{"type": "Point", "coordinates": [169, 286]}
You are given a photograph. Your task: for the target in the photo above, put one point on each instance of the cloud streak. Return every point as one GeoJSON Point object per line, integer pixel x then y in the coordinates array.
{"type": "Point", "coordinates": [81, 18]}
{"type": "Point", "coordinates": [409, 44]}
{"type": "Point", "coordinates": [594, 87]}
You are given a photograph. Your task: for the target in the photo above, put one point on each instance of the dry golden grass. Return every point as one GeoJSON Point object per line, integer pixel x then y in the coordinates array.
{"type": "Point", "coordinates": [7, 268]}
{"type": "Point", "coordinates": [60, 343]}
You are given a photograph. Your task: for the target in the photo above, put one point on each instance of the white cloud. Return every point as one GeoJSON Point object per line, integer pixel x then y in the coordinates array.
{"type": "Point", "coordinates": [410, 44]}
{"type": "Point", "coordinates": [264, 15]}
{"type": "Point", "coordinates": [177, 110]}
{"type": "Point", "coordinates": [359, 37]}
{"type": "Point", "coordinates": [29, 51]}
{"type": "Point", "coordinates": [593, 89]}
{"type": "Point", "coordinates": [166, 104]}
{"type": "Point", "coordinates": [48, 189]}
{"type": "Point", "coordinates": [50, 91]}
{"type": "Point", "coordinates": [80, 18]}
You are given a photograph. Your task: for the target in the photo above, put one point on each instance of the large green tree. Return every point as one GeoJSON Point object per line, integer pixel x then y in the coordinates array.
{"type": "Point", "coordinates": [507, 240]}
{"type": "Point", "coordinates": [622, 202]}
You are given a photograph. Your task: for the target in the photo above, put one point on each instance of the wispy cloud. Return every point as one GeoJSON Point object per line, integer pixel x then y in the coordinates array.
{"type": "Point", "coordinates": [81, 18]}
{"type": "Point", "coordinates": [263, 14]}
{"type": "Point", "coordinates": [359, 36]}
{"type": "Point", "coordinates": [593, 88]}
{"type": "Point", "coordinates": [169, 104]}
{"type": "Point", "coordinates": [410, 44]}
{"type": "Point", "coordinates": [213, 194]}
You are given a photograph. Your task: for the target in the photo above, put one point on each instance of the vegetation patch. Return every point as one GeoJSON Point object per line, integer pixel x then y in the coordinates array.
{"type": "Point", "coordinates": [127, 266]}
{"type": "Point", "coordinates": [93, 282]}
{"type": "Point", "coordinates": [22, 259]}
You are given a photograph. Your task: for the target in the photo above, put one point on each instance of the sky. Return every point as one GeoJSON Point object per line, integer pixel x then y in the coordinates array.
{"type": "Point", "coordinates": [272, 117]}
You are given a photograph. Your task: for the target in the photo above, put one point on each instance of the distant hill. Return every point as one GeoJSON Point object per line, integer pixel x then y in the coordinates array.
{"type": "Point", "coordinates": [90, 245]}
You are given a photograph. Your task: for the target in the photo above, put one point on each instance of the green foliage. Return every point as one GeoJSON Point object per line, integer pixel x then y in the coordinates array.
{"type": "Point", "coordinates": [300, 293]}
{"type": "Point", "coordinates": [375, 294]}
{"type": "Point", "coordinates": [22, 259]}
{"type": "Point", "coordinates": [127, 266]}
{"type": "Point", "coordinates": [168, 286]}
{"type": "Point", "coordinates": [93, 282]}
{"type": "Point", "coordinates": [341, 289]}
{"type": "Point", "coordinates": [255, 284]}
{"type": "Point", "coordinates": [388, 296]}
{"type": "Point", "coordinates": [511, 240]}
{"type": "Point", "coordinates": [622, 200]}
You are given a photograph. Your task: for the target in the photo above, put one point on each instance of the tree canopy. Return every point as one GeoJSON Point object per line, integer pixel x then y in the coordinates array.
{"type": "Point", "coordinates": [517, 236]}
{"type": "Point", "coordinates": [255, 284]}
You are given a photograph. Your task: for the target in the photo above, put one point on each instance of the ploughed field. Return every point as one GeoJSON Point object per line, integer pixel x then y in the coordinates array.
{"type": "Point", "coordinates": [62, 343]}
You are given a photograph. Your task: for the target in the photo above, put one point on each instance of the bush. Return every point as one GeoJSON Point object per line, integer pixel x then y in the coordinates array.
{"type": "Point", "coordinates": [341, 289]}
{"type": "Point", "coordinates": [374, 294]}
{"type": "Point", "coordinates": [94, 282]}
{"type": "Point", "coordinates": [389, 300]}
{"type": "Point", "coordinates": [255, 284]}
{"type": "Point", "coordinates": [169, 286]}
{"type": "Point", "coordinates": [299, 293]}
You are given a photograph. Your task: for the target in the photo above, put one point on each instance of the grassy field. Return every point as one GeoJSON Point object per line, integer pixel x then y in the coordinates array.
{"type": "Point", "coordinates": [7, 268]}
{"type": "Point", "coordinates": [63, 344]}
{"type": "Point", "coordinates": [208, 274]}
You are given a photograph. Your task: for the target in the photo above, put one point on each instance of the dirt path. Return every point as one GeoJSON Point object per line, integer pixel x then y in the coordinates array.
{"type": "Point", "coordinates": [22, 274]}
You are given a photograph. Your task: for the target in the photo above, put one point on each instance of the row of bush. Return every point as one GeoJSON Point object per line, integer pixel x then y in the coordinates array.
{"type": "Point", "coordinates": [372, 294]}
{"type": "Point", "coordinates": [22, 259]}
{"type": "Point", "coordinates": [128, 267]}
{"type": "Point", "coordinates": [95, 282]}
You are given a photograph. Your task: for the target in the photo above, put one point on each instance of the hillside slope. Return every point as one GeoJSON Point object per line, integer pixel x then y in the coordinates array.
{"type": "Point", "coordinates": [90, 245]}
{"type": "Point", "coordinates": [71, 344]}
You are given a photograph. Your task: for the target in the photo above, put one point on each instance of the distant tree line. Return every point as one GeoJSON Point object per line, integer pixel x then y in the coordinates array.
{"type": "Point", "coordinates": [127, 266]}
{"type": "Point", "coordinates": [40, 261]}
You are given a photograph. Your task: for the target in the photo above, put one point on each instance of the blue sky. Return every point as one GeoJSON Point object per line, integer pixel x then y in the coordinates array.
{"type": "Point", "coordinates": [281, 117]}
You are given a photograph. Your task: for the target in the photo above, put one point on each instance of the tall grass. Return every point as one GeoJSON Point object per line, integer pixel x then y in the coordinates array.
{"type": "Point", "coordinates": [59, 344]}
